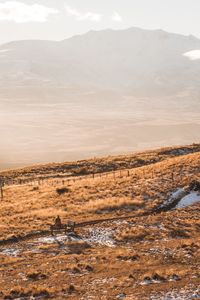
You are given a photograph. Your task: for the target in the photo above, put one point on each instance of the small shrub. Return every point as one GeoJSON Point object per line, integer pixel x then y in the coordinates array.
{"type": "Point", "coordinates": [76, 270]}
{"type": "Point", "coordinates": [43, 294]}
{"type": "Point", "coordinates": [36, 276]}
{"type": "Point", "coordinates": [71, 289]}
{"type": "Point", "coordinates": [81, 171]}
{"type": "Point", "coordinates": [63, 190]}
{"type": "Point", "coordinates": [35, 188]}
{"type": "Point", "coordinates": [89, 268]}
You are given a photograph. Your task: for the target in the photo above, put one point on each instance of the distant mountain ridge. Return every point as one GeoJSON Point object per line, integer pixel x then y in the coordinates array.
{"type": "Point", "coordinates": [135, 60]}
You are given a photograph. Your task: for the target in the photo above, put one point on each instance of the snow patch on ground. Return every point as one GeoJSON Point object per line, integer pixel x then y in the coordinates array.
{"type": "Point", "coordinates": [57, 239]}
{"type": "Point", "coordinates": [184, 199]}
{"type": "Point", "coordinates": [98, 236]}
{"type": "Point", "coordinates": [188, 200]}
{"type": "Point", "coordinates": [101, 236]}
{"type": "Point", "coordinates": [11, 252]}
{"type": "Point", "coordinates": [183, 294]}
{"type": "Point", "coordinates": [121, 296]}
{"type": "Point", "coordinates": [177, 194]}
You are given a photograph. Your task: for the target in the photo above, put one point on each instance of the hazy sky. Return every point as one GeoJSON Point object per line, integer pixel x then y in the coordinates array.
{"type": "Point", "coordinates": [59, 19]}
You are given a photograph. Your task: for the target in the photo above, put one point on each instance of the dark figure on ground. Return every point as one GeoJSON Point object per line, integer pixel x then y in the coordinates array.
{"type": "Point", "coordinates": [58, 222]}
{"type": "Point", "coordinates": [69, 227]}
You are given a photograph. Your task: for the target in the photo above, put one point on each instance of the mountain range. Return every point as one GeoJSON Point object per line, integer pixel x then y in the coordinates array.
{"type": "Point", "coordinates": [141, 62]}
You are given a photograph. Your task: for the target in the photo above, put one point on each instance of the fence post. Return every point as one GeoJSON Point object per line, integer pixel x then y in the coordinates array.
{"type": "Point", "coordinates": [172, 176]}
{"type": "Point", "coordinates": [1, 187]}
{"type": "Point", "coordinates": [1, 192]}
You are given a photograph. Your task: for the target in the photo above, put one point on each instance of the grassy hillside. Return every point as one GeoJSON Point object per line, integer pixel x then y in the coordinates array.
{"type": "Point", "coordinates": [98, 165]}
{"type": "Point", "coordinates": [137, 252]}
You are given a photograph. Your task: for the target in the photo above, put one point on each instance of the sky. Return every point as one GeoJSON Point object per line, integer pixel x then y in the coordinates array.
{"type": "Point", "coordinates": [60, 19]}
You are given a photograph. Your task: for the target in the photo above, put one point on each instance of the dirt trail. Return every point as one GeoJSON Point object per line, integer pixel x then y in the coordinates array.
{"type": "Point", "coordinates": [41, 233]}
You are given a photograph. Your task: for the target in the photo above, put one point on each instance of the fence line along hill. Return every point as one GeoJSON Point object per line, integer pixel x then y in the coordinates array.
{"type": "Point", "coordinates": [96, 167]}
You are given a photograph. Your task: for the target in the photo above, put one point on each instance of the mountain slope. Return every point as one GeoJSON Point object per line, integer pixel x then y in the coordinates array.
{"type": "Point", "coordinates": [131, 59]}
{"type": "Point", "coordinates": [119, 250]}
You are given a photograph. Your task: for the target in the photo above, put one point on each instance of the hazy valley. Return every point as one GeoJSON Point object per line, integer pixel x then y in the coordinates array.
{"type": "Point", "coordinates": [70, 100]}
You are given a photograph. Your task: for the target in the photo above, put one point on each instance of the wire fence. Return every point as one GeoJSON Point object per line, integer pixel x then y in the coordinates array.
{"type": "Point", "coordinates": [145, 172]}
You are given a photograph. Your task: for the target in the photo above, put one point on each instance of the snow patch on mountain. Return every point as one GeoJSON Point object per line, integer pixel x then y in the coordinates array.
{"type": "Point", "coordinates": [192, 55]}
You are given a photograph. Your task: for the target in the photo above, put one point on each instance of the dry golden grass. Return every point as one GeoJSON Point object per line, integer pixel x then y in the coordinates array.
{"type": "Point", "coordinates": [25, 208]}
{"type": "Point", "coordinates": [162, 247]}
{"type": "Point", "coordinates": [99, 165]}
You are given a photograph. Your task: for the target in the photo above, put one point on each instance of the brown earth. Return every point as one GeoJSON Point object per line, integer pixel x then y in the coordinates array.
{"type": "Point", "coordinates": [146, 255]}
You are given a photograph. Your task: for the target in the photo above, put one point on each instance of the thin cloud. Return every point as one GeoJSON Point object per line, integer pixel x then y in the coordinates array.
{"type": "Point", "coordinates": [116, 17]}
{"type": "Point", "coordinates": [20, 12]}
{"type": "Point", "coordinates": [83, 16]}
{"type": "Point", "coordinates": [193, 55]}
